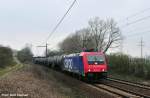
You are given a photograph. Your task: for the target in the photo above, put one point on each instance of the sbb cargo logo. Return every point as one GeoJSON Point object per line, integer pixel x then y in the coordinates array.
{"type": "Point", "coordinates": [68, 64]}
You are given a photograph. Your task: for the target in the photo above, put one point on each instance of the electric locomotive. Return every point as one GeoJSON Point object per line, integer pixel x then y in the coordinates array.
{"type": "Point", "coordinates": [86, 65]}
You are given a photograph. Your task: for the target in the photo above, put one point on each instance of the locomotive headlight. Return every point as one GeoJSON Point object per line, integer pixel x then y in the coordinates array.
{"type": "Point", "coordinates": [103, 69]}
{"type": "Point", "coordinates": [89, 70]}
{"type": "Point", "coordinates": [95, 63]}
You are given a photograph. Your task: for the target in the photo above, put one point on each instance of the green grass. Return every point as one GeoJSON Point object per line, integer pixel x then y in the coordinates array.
{"type": "Point", "coordinates": [8, 69]}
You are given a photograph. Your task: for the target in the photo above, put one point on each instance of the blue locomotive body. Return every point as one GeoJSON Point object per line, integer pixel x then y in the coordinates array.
{"type": "Point", "coordinates": [73, 64]}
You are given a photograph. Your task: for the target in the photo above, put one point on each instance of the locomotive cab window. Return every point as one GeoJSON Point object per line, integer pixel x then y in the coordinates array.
{"type": "Point", "coordinates": [95, 59]}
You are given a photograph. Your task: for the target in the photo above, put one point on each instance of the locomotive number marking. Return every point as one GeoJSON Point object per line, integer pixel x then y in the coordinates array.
{"type": "Point", "coordinates": [68, 63]}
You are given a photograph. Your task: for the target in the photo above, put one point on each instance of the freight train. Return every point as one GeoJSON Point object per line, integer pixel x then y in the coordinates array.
{"type": "Point", "coordinates": [85, 65]}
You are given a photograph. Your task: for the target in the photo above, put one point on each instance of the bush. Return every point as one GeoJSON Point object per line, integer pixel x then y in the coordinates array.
{"type": "Point", "coordinates": [6, 56]}
{"type": "Point", "coordinates": [147, 71]}
{"type": "Point", "coordinates": [25, 55]}
{"type": "Point", "coordinates": [124, 64]}
{"type": "Point", "coordinates": [119, 63]}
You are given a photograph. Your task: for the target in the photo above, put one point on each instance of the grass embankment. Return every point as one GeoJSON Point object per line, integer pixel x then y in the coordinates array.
{"type": "Point", "coordinates": [10, 68]}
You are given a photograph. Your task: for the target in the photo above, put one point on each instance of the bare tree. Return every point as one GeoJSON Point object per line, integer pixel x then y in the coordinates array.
{"type": "Point", "coordinates": [85, 38]}
{"type": "Point", "coordinates": [71, 44]}
{"type": "Point", "coordinates": [100, 35]}
{"type": "Point", "coordinates": [106, 34]}
{"type": "Point", "coordinates": [78, 41]}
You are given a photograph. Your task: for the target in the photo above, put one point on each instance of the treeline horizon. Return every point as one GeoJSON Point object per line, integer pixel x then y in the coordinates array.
{"type": "Point", "coordinates": [6, 56]}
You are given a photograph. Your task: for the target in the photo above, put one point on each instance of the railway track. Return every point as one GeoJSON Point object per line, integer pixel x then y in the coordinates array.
{"type": "Point", "coordinates": [116, 91]}
{"type": "Point", "coordinates": [129, 82]}
{"type": "Point", "coordinates": [136, 89]}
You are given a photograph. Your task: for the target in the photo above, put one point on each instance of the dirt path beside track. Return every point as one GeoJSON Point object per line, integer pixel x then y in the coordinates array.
{"type": "Point", "coordinates": [34, 81]}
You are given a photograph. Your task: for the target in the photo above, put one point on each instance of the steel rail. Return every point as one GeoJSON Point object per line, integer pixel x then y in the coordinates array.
{"type": "Point", "coordinates": [140, 85]}
{"type": "Point", "coordinates": [121, 93]}
{"type": "Point", "coordinates": [129, 91]}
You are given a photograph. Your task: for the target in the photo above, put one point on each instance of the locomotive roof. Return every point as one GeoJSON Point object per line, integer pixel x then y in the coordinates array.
{"type": "Point", "coordinates": [84, 53]}
{"type": "Point", "coordinates": [94, 53]}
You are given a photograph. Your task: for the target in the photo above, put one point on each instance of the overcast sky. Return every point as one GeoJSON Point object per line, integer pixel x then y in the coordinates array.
{"type": "Point", "coordinates": [30, 21]}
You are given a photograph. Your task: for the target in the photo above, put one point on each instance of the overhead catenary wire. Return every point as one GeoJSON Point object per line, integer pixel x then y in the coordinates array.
{"type": "Point", "coordinates": [61, 20]}
{"type": "Point", "coordinates": [134, 15]}
{"type": "Point", "coordinates": [137, 34]}
{"type": "Point", "coordinates": [130, 23]}
{"type": "Point", "coordinates": [133, 22]}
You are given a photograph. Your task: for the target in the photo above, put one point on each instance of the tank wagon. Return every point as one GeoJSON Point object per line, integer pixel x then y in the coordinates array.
{"type": "Point", "coordinates": [86, 65]}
